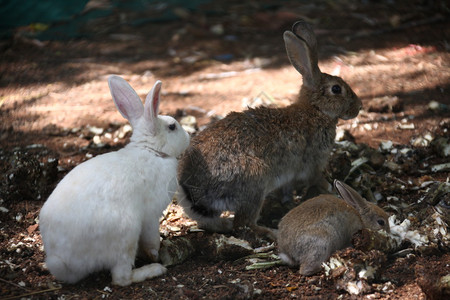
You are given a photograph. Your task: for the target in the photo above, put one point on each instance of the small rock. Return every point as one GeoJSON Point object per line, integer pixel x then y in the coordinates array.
{"type": "Point", "coordinates": [441, 145]}
{"type": "Point", "coordinates": [406, 126]}
{"type": "Point", "coordinates": [95, 130]}
{"type": "Point", "coordinates": [97, 140]}
{"type": "Point", "coordinates": [441, 167]}
{"type": "Point", "coordinates": [422, 141]}
{"type": "Point", "coordinates": [393, 166]}
{"type": "Point", "coordinates": [123, 131]}
{"type": "Point", "coordinates": [189, 121]}
{"type": "Point", "coordinates": [437, 107]}
{"type": "Point", "coordinates": [386, 145]}
{"type": "Point", "coordinates": [217, 29]}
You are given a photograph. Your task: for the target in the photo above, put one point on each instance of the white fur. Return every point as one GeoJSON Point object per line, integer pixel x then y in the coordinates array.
{"type": "Point", "coordinates": [105, 208]}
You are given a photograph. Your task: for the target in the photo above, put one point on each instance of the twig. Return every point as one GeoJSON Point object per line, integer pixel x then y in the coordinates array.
{"type": "Point", "coordinates": [264, 264]}
{"type": "Point", "coordinates": [103, 292]}
{"type": "Point", "coordinates": [32, 293]}
{"type": "Point", "coordinates": [355, 165]}
{"type": "Point", "coordinates": [12, 283]}
{"type": "Point", "coordinates": [259, 255]}
{"type": "Point", "coordinates": [264, 249]}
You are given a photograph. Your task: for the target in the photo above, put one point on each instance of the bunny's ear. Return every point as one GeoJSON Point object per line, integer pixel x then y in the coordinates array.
{"type": "Point", "coordinates": [126, 99]}
{"type": "Point", "coordinates": [305, 32]}
{"type": "Point", "coordinates": [152, 106]}
{"type": "Point", "coordinates": [350, 195]}
{"type": "Point", "coordinates": [301, 48]}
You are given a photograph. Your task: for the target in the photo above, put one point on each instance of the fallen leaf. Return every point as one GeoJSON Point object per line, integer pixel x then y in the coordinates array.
{"type": "Point", "coordinates": [291, 288]}
{"type": "Point", "coordinates": [32, 228]}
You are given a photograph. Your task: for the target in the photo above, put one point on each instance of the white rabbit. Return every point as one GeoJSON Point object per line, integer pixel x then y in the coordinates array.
{"type": "Point", "coordinates": [107, 207]}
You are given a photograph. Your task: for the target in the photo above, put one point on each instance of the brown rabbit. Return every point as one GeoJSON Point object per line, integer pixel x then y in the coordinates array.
{"type": "Point", "coordinates": [233, 164]}
{"type": "Point", "coordinates": [311, 232]}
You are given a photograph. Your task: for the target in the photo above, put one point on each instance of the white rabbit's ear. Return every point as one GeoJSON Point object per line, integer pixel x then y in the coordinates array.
{"type": "Point", "coordinates": [126, 99]}
{"type": "Point", "coordinates": [350, 195]}
{"type": "Point", "coordinates": [152, 106]}
{"type": "Point", "coordinates": [301, 48]}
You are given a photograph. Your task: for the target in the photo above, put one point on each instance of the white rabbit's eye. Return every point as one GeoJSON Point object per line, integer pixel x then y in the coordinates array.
{"type": "Point", "coordinates": [336, 89]}
{"type": "Point", "coordinates": [173, 126]}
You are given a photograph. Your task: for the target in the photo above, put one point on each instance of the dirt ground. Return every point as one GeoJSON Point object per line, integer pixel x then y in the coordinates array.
{"type": "Point", "coordinates": [56, 112]}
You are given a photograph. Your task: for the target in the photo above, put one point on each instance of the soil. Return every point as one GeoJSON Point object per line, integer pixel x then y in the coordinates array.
{"type": "Point", "coordinates": [56, 112]}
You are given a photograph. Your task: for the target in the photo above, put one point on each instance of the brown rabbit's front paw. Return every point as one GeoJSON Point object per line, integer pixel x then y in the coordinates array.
{"type": "Point", "coordinates": [220, 225]}
{"type": "Point", "coordinates": [256, 237]}
{"type": "Point", "coordinates": [267, 232]}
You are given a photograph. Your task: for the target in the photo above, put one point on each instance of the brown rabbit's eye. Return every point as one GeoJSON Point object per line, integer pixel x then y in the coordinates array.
{"type": "Point", "coordinates": [336, 89]}
{"type": "Point", "coordinates": [173, 126]}
{"type": "Point", "coordinates": [381, 222]}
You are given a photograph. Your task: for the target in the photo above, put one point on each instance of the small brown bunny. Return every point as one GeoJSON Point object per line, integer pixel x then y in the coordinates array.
{"type": "Point", "coordinates": [311, 232]}
{"type": "Point", "coordinates": [233, 164]}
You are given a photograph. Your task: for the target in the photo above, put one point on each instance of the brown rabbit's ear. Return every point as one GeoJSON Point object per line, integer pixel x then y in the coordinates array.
{"type": "Point", "coordinates": [301, 48]}
{"type": "Point", "coordinates": [350, 195]}
{"type": "Point", "coordinates": [305, 31]}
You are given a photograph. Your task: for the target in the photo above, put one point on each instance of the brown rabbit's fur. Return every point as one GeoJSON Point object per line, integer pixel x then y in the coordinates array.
{"type": "Point", "coordinates": [234, 163]}
{"type": "Point", "coordinates": [311, 232]}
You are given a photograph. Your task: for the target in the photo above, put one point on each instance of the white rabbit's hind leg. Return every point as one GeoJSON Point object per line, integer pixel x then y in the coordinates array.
{"type": "Point", "coordinates": [61, 270]}
{"type": "Point", "coordinates": [150, 239]}
{"type": "Point", "coordinates": [121, 274]}
{"type": "Point", "coordinates": [147, 272]}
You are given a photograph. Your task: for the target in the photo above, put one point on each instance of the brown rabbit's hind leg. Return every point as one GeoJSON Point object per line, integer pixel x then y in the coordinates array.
{"type": "Point", "coordinates": [311, 263]}
{"type": "Point", "coordinates": [248, 214]}
{"type": "Point", "coordinates": [309, 269]}
{"type": "Point", "coordinates": [319, 186]}
{"type": "Point", "coordinates": [212, 222]}
{"type": "Point", "coordinates": [316, 249]}
{"type": "Point", "coordinates": [207, 218]}
{"type": "Point", "coordinates": [287, 259]}
{"type": "Point", "coordinates": [265, 231]}
{"type": "Point", "coordinates": [215, 224]}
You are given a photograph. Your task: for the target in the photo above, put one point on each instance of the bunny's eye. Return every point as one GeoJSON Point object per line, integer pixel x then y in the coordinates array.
{"type": "Point", "coordinates": [381, 222]}
{"type": "Point", "coordinates": [336, 89]}
{"type": "Point", "coordinates": [173, 126]}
